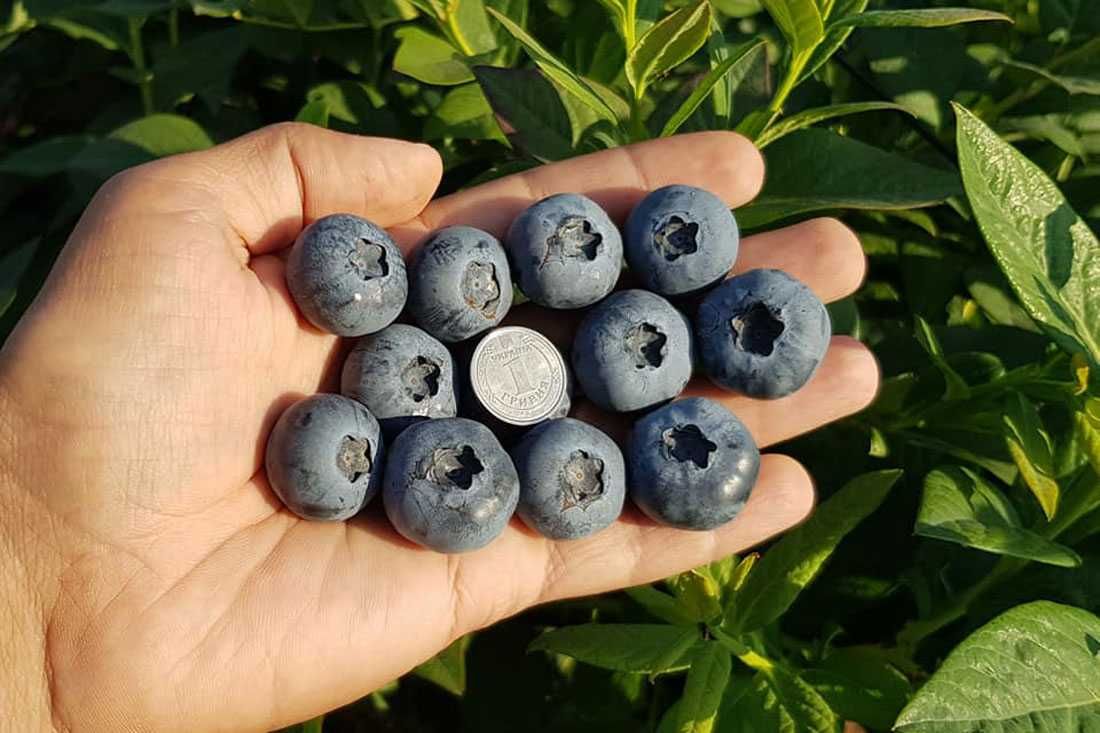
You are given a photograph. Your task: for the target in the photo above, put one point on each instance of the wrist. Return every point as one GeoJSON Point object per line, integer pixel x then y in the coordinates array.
{"type": "Point", "coordinates": [24, 589]}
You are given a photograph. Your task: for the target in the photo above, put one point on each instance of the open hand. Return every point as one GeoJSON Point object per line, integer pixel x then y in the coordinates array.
{"type": "Point", "coordinates": [163, 585]}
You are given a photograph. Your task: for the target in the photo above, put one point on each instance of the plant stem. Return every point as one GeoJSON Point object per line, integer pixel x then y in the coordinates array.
{"type": "Point", "coordinates": [137, 56]}
{"type": "Point", "coordinates": [269, 23]}
{"type": "Point", "coordinates": [790, 79]}
{"type": "Point", "coordinates": [174, 27]}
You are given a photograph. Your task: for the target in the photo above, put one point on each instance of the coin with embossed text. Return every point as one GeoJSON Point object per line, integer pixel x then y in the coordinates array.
{"type": "Point", "coordinates": [519, 376]}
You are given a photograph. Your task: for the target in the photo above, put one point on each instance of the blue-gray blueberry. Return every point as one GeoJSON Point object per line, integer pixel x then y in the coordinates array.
{"type": "Point", "coordinates": [449, 485]}
{"type": "Point", "coordinates": [572, 479]}
{"type": "Point", "coordinates": [347, 275]}
{"type": "Point", "coordinates": [762, 333]}
{"type": "Point", "coordinates": [692, 464]}
{"type": "Point", "coordinates": [324, 457]}
{"type": "Point", "coordinates": [565, 251]}
{"type": "Point", "coordinates": [402, 375]}
{"type": "Point", "coordinates": [460, 283]}
{"type": "Point", "coordinates": [633, 350]}
{"type": "Point", "coordinates": [680, 239]}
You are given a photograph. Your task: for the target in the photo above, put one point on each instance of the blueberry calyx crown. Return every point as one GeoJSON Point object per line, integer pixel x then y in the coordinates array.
{"type": "Point", "coordinates": [582, 480]}
{"type": "Point", "coordinates": [756, 328]}
{"type": "Point", "coordinates": [454, 467]}
{"type": "Point", "coordinates": [420, 378]}
{"type": "Point", "coordinates": [676, 237]}
{"type": "Point", "coordinates": [574, 238]}
{"type": "Point", "coordinates": [687, 443]}
{"type": "Point", "coordinates": [480, 288]}
{"type": "Point", "coordinates": [354, 457]}
{"type": "Point", "coordinates": [646, 344]}
{"type": "Point", "coordinates": [368, 259]}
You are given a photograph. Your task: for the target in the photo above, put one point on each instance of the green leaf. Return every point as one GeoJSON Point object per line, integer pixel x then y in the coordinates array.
{"type": "Point", "coordinates": [557, 70]}
{"type": "Point", "coordinates": [464, 113]}
{"type": "Point", "coordinates": [776, 699]}
{"type": "Point", "coordinates": [698, 593]}
{"type": "Point", "coordinates": [920, 18]}
{"type": "Point", "coordinates": [736, 64]}
{"type": "Point", "coordinates": [800, 22]}
{"type": "Point", "coordinates": [812, 116]}
{"type": "Point", "coordinates": [1050, 256]}
{"type": "Point", "coordinates": [860, 684]}
{"type": "Point", "coordinates": [315, 113]}
{"type": "Point", "coordinates": [959, 506]}
{"type": "Point", "coordinates": [815, 169]}
{"type": "Point", "coordinates": [469, 25]}
{"type": "Point", "coordinates": [667, 44]}
{"type": "Point", "coordinates": [528, 106]}
{"type": "Point", "coordinates": [662, 605]}
{"type": "Point", "coordinates": [957, 388]}
{"type": "Point", "coordinates": [835, 36]}
{"type": "Point", "coordinates": [644, 648]}
{"type": "Point", "coordinates": [793, 562]}
{"type": "Point", "coordinates": [1035, 667]}
{"type": "Point", "coordinates": [1031, 450]}
{"type": "Point", "coordinates": [428, 58]}
{"type": "Point", "coordinates": [1072, 84]}
{"type": "Point", "coordinates": [110, 32]}
{"type": "Point", "coordinates": [200, 66]}
{"type": "Point", "coordinates": [706, 681]}
{"type": "Point", "coordinates": [1086, 423]}
{"type": "Point", "coordinates": [448, 668]}
{"type": "Point", "coordinates": [164, 134]}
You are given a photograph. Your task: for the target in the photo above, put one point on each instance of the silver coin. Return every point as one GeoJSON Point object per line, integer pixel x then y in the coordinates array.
{"type": "Point", "coordinates": [519, 376]}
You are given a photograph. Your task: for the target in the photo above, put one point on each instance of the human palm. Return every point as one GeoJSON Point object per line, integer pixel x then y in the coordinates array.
{"type": "Point", "coordinates": [176, 593]}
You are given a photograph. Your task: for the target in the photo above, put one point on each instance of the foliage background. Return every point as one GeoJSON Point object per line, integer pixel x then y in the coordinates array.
{"type": "Point", "coordinates": [986, 407]}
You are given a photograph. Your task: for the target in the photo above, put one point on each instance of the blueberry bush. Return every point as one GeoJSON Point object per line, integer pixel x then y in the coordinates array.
{"type": "Point", "coordinates": [950, 578]}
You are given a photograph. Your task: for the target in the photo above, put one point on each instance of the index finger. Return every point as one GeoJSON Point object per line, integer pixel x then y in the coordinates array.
{"type": "Point", "coordinates": [724, 163]}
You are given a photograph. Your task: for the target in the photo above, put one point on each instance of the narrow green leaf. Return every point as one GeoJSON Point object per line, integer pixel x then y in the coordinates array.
{"type": "Point", "coordinates": [735, 65]}
{"type": "Point", "coordinates": [556, 69]}
{"type": "Point", "coordinates": [643, 648]}
{"type": "Point", "coordinates": [1035, 667]}
{"type": "Point", "coordinates": [812, 116]}
{"type": "Point", "coordinates": [1072, 84]}
{"type": "Point", "coordinates": [448, 668]}
{"type": "Point", "coordinates": [164, 134]}
{"type": "Point", "coordinates": [777, 699]}
{"type": "Point", "coordinates": [315, 113]}
{"type": "Point", "coordinates": [662, 605]}
{"type": "Point", "coordinates": [814, 169]}
{"type": "Point", "coordinates": [793, 562]}
{"type": "Point", "coordinates": [428, 58]}
{"type": "Point", "coordinates": [1086, 423]}
{"type": "Point", "coordinates": [528, 105]}
{"type": "Point", "coordinates": [958, 506]}
{"type": "Point", "coordinates": [1031, 451]}
{"type": "Point", "coordinates": [957, 389]}
{"type": "Point", "coordinates": [799, 20]}
{"type": "Point", "coordinates": [469, 24]}
{"type": "Point", "coordinates": [706, 681]}
{"type": "Point", "coordinates": [667, 44]}
{"type": "Point", "coordinates": [1050, 256]}
{"type": "Point", "coordinates": [835, 36]}
{"type": "Point", "coordinates": [920, 18]}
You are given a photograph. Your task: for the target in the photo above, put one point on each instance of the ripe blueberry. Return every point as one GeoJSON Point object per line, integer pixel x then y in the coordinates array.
{"type": "Point", "coordinates": [347, 275]}
{"type": "Point", "coordinates": [461, 284]}
{"type": "Point", "coordinates": [324, 457]}
{"type": "Point", "coordinates": [692, 464]}
{"type": "Point", "coordinates": [449, 485]}
{"type": "Point", "coordinates": [632, 351]}
{"type": "Point", "coordinates": [572, 479]}
{"type": "Point", "coordinates": [402, 375]}
{"type": "Point", "coordinates": [680, 239]}
{"type": "Point", "coordinates": [762, 333]}
{"type": "Point", "coordinates": [566, 251]}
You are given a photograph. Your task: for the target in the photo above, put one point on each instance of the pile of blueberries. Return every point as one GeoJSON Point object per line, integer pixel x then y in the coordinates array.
{"type": "Point", "coordinates": [447, 482]}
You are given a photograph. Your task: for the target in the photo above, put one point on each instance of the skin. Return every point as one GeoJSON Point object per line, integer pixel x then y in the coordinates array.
{"type": "Point", "coordinates": [149, 578]}
{"type": "Point", "coordinates": [572, 479]}
{"type": "Point", "coordinates": [762, 333]}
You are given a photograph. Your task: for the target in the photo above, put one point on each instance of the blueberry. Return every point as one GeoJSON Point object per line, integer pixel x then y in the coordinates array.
{"type": "Point", "coordinates": [347, 275]}
{"type": "Point", "coordinates": [632, 351]}
{"type": "Point", "coordinates": [572, 479]}
{"type": "Point", "coordinates": [461, 284]}
{"type": "Point", "coordinates": [692, 464]}
{"type": "Point", "coordinates": [324, 457]}
{"type": "Point", "coordinates": [762, 333]}
{"type": "Point", "coordinates": [566, 251]}
{"type": "Point", "coordinates": [449, 485]}
{"type": "Point", "coordinates": [681, 239]}
{"type": "Point", "coordinates": [402, 375]}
